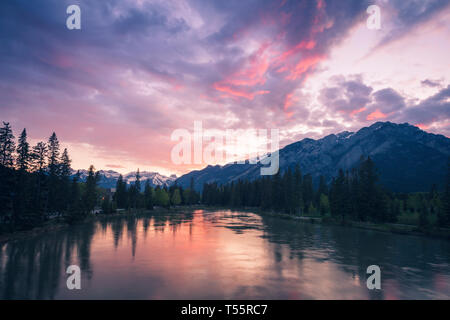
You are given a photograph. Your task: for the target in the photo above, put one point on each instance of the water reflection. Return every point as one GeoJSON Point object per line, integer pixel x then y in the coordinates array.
{"type": "Point", "coordinates": [222, 255]}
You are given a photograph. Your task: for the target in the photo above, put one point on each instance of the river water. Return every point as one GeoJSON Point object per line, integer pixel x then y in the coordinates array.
{"type": "Point", "coordinates": [222, 255]}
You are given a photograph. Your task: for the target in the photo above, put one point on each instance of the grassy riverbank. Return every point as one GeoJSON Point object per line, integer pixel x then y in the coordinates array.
{"type": "Point", "coordinates": [397, 228]}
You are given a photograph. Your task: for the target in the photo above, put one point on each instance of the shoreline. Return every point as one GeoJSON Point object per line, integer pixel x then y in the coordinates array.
{"type": "Point", "coordinates": [58, 224]}
{"type": "Point", "coordinates": [392, 228]}
{"type": "Point", "coordinates": [402, 229]}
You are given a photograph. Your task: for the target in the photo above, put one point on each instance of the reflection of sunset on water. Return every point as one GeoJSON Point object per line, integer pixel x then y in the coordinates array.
{"type": "Point", "coordinates": [222, 255]}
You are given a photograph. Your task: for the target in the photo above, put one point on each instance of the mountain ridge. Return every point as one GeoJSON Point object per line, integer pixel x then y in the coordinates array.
{"type": "Point", "coordinates": [408, 158]}
{"type": "Point", "coordinates": [108, 178]}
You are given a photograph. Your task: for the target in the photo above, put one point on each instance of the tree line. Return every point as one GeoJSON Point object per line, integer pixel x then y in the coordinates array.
{"type": "Point", "coordinates": [37, 185]}
{"type": "Point", "coordinates": [137, 197]}
{"type": "Point", "coordinates": [354, 195]}
{"type": "Point", "coordinates": [34, 181]}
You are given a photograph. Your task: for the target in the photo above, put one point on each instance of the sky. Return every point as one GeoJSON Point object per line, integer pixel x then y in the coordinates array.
{"type": "Point", "coordinates": [116, 90]}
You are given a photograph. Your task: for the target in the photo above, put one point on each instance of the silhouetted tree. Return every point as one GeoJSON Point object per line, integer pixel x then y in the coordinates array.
{"type": "Point", "coordinates": [444, 213]}
{"type": "Point", "coordinates": [91, 194]}
{"type": "Point", "coordinates": [23, 152]}
{"type": "Point", "coordinates": [7, 146]}
{"type": "Point", "coordinates": [121, 193]}
{"type": "Point", "coordinates": [148, 196]}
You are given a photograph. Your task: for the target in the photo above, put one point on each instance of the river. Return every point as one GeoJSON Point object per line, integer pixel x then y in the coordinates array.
{"type": "Point", "coordinates": [222, 255]}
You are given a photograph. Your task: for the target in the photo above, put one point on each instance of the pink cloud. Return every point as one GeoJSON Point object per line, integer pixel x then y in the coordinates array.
{"type": "Point", "coordinates": [377, 114]}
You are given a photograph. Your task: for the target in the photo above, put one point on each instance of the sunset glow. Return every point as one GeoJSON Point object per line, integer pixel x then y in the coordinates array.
{"type": "Point", "coordinates": [115, 90]}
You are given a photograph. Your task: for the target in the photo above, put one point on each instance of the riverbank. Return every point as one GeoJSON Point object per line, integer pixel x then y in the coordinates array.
{"type": "Point", "coordinates": [381, 227]}
{"type": "Point", "coordinates": [58, 224]}
{"type": "Point", "coordinates": [396, 228]}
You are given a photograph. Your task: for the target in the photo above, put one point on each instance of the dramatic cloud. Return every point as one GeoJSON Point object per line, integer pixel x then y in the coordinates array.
{"type": "Point", "coordinates": [115, 90]}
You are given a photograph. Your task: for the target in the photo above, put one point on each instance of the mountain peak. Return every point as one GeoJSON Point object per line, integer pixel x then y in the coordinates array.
{"type": "Point", "coordinates": [408, 158]}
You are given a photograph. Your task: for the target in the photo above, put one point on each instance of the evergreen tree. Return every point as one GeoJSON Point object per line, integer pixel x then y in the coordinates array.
{"type": "Point", "coordinates": [6, 197]}
{"type": "Point", "coordinates": [193, 196]}
{"type": "Point", "coordinates": [148, 196]}
{"type": "Point", "coordinates": [323, 189]}
{"type": "Point", "coordinates": [137, 183]}
{"type": "Point", "coordinates": [7, 146]}
{"type": "Point", "coordinates": [135, 191]}
{"type": "Point", "coordinates": [64, 171]}
{"type": "Point", "coordinates": [39, 164]}
{"type": "Point", "coordinates": [176, 197]}
{"type": "Point", "coordinates": [444, 213]}
{"type": "Point", "coordinates": [298, 189]}
{"type": "Point", "coordinates": [367, 191]}
{"type": "Point", "coordinates": [53, 170]}
{"type": "Point", "coordinates": [53, 155]}
{"type": "Point", "coordinates": [106, 204]}
{"type": "Point", "coordinates": [65, 163]}
{"type": "Point", "coordinates": [121, 193]}
{"type": "Point", "coordinates": [91, 193]}
{"type": "Point", "coordinates": [23, 161]}
{"type": "Point", "coordinates": [339, 196]}
{"type": "Point", "coordinates": [308, 191]}
{"type": "Point", "coordinates": [75, 211]}
{"type": "Point", "coordinates": [289, 192]}
{"type": "Point", "coordinates": [22, 194]}
{"type": "Point", "coordinates": [39, 157]}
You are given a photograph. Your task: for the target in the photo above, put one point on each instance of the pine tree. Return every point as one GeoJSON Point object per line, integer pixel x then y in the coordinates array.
{"type": "Point", "coordinates": [22, 193]}
{"type": "Point", "coordinates": [64, 180]}
{"type": "Point", "coordinates": [53, 155]}
{"type": "Point", "coordinates": [367, 193]}
{"type": "Point", "coordinates": [135, 191]}
{"type": "Point", "coordinates": [289, 192]}
{"type": "Point", "coordinates": [23, 161]}
{"type": "Point", "coordinates": [444, 213]}
{"type": "Point", "coordinates": [91, 194]}
{"type": "Point", "coordinates": [193, 197]}
{"type": "Point", "coordinates": [298, 189]}
{"type": "Point", "coordinates": [65, 162]}
{"type": "Point", "coordinates": [6, 197]}
{"type": "Point", "coordinates": [176, 197]}
{"type": "Point", "coordinates": [7, 146]}
{"type": "Point", "coordinates": [323, 189]}
{"type": "Point", "coordinates": [39, 164]}
{"type": "Point", "coordinates": [308, 191]}
{"type": "Point", "coordinates": [121, 193]}
{"type": "Point", "coordinates": [148, 196]}
{"type": "Point", "coordinates": [75, 211]}
{"type": "Point", "coordinates": [53, 170]}
{"type": "Point", "coordinates": [106, 205]}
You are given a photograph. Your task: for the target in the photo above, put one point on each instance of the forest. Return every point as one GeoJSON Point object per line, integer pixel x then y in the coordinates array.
{"type": "Point", "coordinates": [37, 184]}
{"type": "Point", "coordinates": [350, 196]}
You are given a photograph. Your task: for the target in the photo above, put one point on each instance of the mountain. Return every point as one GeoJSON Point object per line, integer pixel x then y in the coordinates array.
{"type": "Point", "coordinates": [108, 178]}
{"type": "Point", "coordinates": [408, 159]}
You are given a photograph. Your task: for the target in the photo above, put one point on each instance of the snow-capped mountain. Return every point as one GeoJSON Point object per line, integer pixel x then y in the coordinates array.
{"type": "Point", "coordinates": [108, 178]}
{"type": "Point", "coordinates": [408, 159]}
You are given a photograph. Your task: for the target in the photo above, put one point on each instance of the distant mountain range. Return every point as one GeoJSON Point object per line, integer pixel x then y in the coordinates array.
{"type": "Point", "coordinates": [408, 159]}
{"type": "Point", "coordinates": [108, 178]}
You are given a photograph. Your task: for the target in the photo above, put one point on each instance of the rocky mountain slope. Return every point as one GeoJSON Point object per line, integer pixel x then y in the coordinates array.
{"type": "Point", "coordinates": [408, 159]}
{"type": "Point", "coordinates": [108, 178]}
